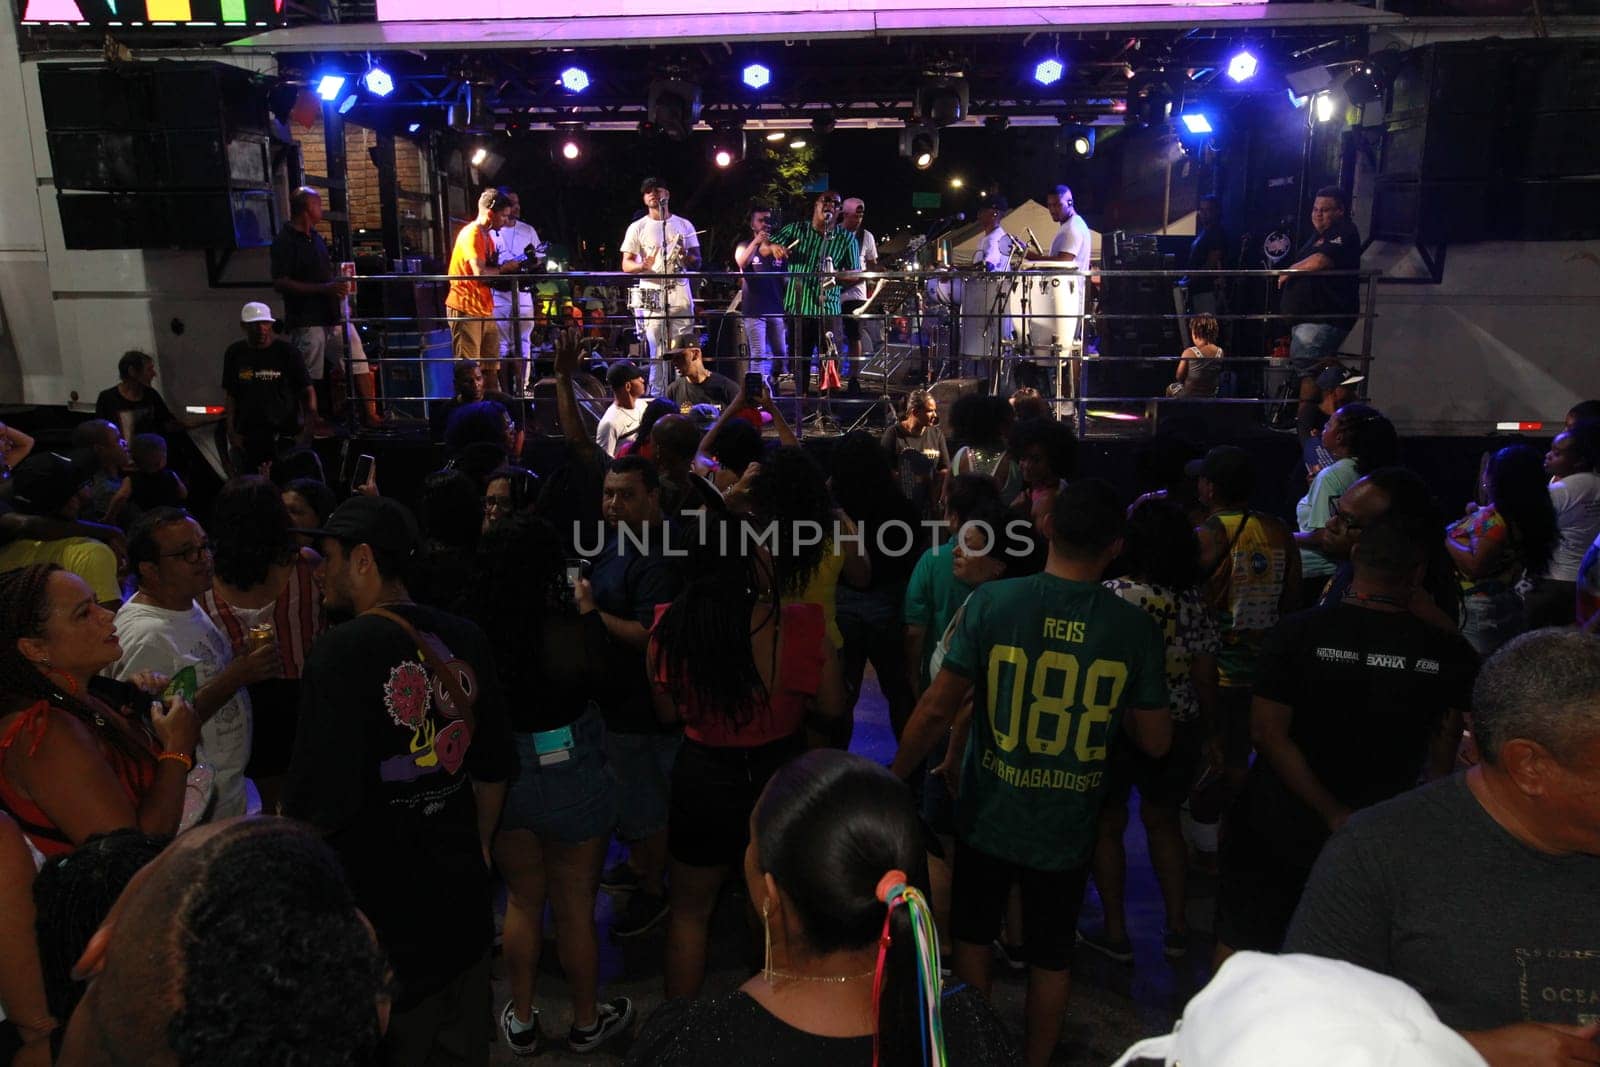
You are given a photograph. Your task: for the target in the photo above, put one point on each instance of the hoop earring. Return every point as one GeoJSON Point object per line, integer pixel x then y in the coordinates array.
{"type": "Point", "coordinates": [766, 929]}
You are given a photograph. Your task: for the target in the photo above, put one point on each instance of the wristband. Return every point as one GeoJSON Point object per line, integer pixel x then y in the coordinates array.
{"type": "Point", "coordinates": [187, 761]}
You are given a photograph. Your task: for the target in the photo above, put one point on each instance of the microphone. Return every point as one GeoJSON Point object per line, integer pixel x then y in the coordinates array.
{"type": "Point", "coordinates": [833, 348]}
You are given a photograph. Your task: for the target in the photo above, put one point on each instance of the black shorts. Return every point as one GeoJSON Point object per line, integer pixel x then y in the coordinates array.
{"type": "Point", "coordinates": [1233, 723]}
{"type": "Point", "coordinates": [714, 790]}
{"type": "Point", "coordinates": [1257, 890]}
{"type": "Point", "coordinates": [1166, 780]}
{"type": "Point", "coordinates": [1051, 901]}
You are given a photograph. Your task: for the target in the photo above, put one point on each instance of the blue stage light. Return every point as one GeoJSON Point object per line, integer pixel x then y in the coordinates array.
{"type": "Point", "coordinates": [1197, 124]}
{"type": "Point", "coordinates": [378, 82]}
{"type": "Point", "coordinates": [347, 104]}
{"type": "Point", "coordinates": [1048, 72]}
{"type": "Point", "coordinates": [414, 127]}
{"type": "Point", "coordinates": [757, 76]}
{"type": "Point", "coordinates": [330, 86]}
{"type": "Point", "coordinates": [1242, 67]}
{"type": "Point", "coordinates": [575, 79]}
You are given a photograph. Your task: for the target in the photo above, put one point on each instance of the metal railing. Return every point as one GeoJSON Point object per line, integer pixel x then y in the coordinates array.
{"type": "Point", "coordinates": [1092, 344]}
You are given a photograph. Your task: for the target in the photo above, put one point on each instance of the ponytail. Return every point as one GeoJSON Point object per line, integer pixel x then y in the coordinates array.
{"type": "Point", "coordinates": [907, 1028]}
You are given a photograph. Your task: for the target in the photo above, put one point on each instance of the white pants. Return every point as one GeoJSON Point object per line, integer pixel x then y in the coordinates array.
{"type": "Point", "coordinates": [658, 327]}
{"type": "Point", "coordinates": [524, 333]}
{"type": "Point", "coordinates": [766, 340]}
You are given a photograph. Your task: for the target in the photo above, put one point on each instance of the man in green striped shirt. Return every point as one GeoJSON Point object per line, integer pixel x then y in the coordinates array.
{"type": "Point", "coordinates": [822, 249]}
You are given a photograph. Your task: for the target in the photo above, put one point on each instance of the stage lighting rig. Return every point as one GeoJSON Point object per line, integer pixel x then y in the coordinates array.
{"type": "Point", "coordinates": [673, 107]}
{"type": "Point", "coordinates": [575, 79]}
{"type": "Point", "coordinates": [756, 76]}
{"type": "Point", "coordinates": [329, 86]}
{"type": "Point", "coordinates": [919, 142]}
{"type": "Point", "coordinates": [943, 99]}
{"type": "Point", "coordinates": [1242, 67]}
{"type": "Point", "coordinates": [1372, 78]}
{"type": "Point", "coordinates": [569, 147]}
{"type": "Point", "coordinates": [1078, 139]}
{"type": "Point", "coordinates": [1048, 71]}
{"type": "Point", "coordinates": [727, 144]}
{"type": "Point", "coordinates": [1325, 105]}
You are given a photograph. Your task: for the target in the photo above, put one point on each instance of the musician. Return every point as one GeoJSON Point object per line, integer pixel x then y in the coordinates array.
{"type": "Point", "coordinates": [517, 244]}
{"type": "Point", "coordinates": [469, 307]}
{"type": "Point", "coordinates": [1071, 241]}
{"type": "Point", "coordinates": [816, 247]}
{"type": "Point", "coordinates": [761, 298]}
{"type": "Point", "coordinates": [855, 296]}
{"type": "Point", "coordinates": [994, 244]}
{"type": "Point", "coordinates": [660, 242]}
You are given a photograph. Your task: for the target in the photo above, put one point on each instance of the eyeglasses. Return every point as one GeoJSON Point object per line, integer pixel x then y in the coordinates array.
{"type": "Point", "coordinates": [1344, 517]}
{"type": "Point", "coordinates": [192, 554]}
{"type": "Point", "coordinates": [835, 203]}
{"type": "Point", "coordinates": [496, 503]}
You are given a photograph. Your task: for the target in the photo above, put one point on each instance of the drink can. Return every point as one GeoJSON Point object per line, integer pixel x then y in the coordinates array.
{"type": "Point", "coordinates": [347, 269]}
{"type": "Point", "coordinates": [260, 634]}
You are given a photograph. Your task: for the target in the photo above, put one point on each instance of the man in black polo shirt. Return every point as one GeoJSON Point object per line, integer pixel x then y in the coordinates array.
{"type": "Point", "coordinates": [302, 270]}
{"type": "Point", "coordinates": [1322, 308]}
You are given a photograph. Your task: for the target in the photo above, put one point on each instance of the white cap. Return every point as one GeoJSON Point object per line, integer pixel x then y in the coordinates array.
{"type": "Point", "coordinates": [255, 311]}
{"type": "Point", "coordinates": [1265, 1011]}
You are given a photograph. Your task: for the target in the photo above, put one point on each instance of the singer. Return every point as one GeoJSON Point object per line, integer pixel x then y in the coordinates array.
{"type": "Point", "coordinates": [660, 242]}
{"type": "Point", "coordinates": [818, 248]}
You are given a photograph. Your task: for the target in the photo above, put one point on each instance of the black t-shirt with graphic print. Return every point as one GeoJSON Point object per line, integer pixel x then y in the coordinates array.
{"type": "Point", "coordinates": [383, 765]}
{"type": "Point", "coordinates": [1321, 297]}
{"type": "Point", "coordinates": [1369, 690]}
{"type": "Point", "coordinates": [266, 385]}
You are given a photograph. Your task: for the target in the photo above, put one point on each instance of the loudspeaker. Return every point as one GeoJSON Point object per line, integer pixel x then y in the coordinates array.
{"type": "Point", "coordinates": [1431, 211]}
{"type": "Point", "coordinates": [159, 96]}
{"type": "Point", "coordinates": [948, 391]}
{"type": "Point", "coordinates": [121, 161]}
{"type": "Point", "coordinates": [217, 219]}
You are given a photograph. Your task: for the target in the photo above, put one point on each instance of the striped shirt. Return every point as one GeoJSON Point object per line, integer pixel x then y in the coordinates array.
{"type": "Point", "coordinates": [296, 616]}
{"type": "Point", "coordinates": [805, 296]}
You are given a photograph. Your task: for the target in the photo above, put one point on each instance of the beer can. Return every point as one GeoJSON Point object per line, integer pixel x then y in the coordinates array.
{"type": "Point", "coordinates": [260, 634]}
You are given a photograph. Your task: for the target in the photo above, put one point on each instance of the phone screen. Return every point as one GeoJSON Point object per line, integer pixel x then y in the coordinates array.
{"type": "Point", "coordinates": [752, 385]}
{"type": "Point", "coordinates": [362, 472]}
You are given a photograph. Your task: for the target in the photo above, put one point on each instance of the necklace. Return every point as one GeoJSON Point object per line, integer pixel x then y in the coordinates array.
{"type": "Point", "coordinates": [832, 978]}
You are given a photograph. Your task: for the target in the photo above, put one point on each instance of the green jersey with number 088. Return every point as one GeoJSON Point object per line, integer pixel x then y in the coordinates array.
{"type": "Point", "coordinates": [1053, 664]}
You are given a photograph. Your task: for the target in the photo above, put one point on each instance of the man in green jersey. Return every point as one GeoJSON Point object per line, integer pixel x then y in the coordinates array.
{"type": "Point", "coordinates": [814, 251]}
{"type": "Point", "coordinates": [1056, 664]}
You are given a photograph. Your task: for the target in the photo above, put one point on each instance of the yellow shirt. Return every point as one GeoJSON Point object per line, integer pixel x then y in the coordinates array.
{"type": "Point", "coordinates": [88, 559]}
{"type": "Point", "coordinates": [820, 590]}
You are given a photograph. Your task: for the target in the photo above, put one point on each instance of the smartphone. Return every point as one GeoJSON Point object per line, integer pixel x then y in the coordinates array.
{"type": "Point", "coordinates": [362, 472]}
{"type": "Point", "coordinates": [576, 569]}
{"type": "Point", "coordinates": [753, 385]}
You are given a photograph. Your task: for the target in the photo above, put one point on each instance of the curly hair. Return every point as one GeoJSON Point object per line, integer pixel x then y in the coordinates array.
{"type": "Point", "coordinates": [249, 531]}
{"type": "Point", "coordinates": [24, 611]}
{"type": "Point", "coordinates": [1056, 438]}
{"type": "Point", "coordinates": [316, 493]}
{"type": "Point", "coordinates": [791, 491]}
{"type": "Point", "coordinates": [72, 896]}
{"type": "Point", "coordinates": [1160, 547]}
{"type": "Point", "coordinates": [276, 964]}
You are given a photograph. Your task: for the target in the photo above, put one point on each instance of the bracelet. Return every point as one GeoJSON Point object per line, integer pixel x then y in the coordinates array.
{"type": "Point", "coordinates": [187, 761]}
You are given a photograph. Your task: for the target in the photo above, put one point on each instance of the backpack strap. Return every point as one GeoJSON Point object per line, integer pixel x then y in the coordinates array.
{"type": "Point", "coordinates": [452, 683]}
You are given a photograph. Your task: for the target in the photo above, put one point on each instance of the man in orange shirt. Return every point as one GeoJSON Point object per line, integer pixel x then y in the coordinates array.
{"type": "Point", "coordinates": [470, 305]}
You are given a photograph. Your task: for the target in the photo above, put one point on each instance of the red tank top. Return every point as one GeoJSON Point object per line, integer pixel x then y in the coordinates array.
{"type": "Point", "coordinates": [28, 727]}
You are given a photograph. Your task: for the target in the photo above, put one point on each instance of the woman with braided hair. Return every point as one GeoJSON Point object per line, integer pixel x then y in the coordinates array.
{"type": "Point", "coordinates": [77, 757]}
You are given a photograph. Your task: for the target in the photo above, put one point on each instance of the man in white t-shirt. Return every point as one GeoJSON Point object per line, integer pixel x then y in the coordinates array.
{"type": "Point", "coordinates": [660, 242]}
{"type": "Point", "coordinates": [515, 242]}
{"type": "Point", "coordinates": [1573, 458]}
{"type": "Point", "coordinates": [622, 417]}
{"type": "Point", "coordinates": [162, 629]}
{"type": "Point", "coordinates": [1071, 241]}
{"type": "Point", "coordinates": [994, 243]}
{"type": "Point", "coordinates": [863, 334]}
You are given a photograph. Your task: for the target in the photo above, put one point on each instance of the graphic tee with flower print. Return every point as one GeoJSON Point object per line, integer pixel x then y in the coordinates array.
{"type": "Point", "coordinates": [1187, 629]}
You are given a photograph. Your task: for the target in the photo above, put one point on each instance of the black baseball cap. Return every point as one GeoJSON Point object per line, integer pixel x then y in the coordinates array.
{"type": "Point", "coordinates": [44, 482]}
{"type": "Point", "coordinates": [1334, 377]}
{"type": "Point", "coordinates": [378, 521]}
{"type": "Point", "coordinates": [621, 373]}
{"type": "Point", "coordinates": [651, 183]}
{"type": "Point", "coordinates": [682, 341]}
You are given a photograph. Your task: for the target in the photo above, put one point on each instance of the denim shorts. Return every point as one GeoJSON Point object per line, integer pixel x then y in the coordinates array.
{"type": "Point", "coordinates": [641, 768]}
{"type": "Point", "coordinates": [571, 801]}
{"type": "Point", "coordinates": [1312, 342]}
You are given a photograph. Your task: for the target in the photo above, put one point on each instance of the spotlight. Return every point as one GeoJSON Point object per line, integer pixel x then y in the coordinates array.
{"type": "Point", "coordinates": [722, 158]}
{"type": "Point", "coordinates": [1242, 67]}
{"type": "Point", "coordinates": [347, 104]}
{"type": "Point", "coordinates": [776, 135]}
{"type": "Point", "coordinates": [1297, 101]}
{"type": "Point", "coordinates": [919, 142]}
{"type": "Point", "coordinates": [757, 76]}
{"type": "Point", "coordinates": [673, 107]}
{"type": "Point", "coordinates": [727, 144]}
{"type": "Point", "coordinates": [415, 127]}
{"type": "Point", "coordinates": [1196, 123]}
{"type": "Point", "coordinates": [956, 183]}
{"type": "Point", "coordinates": [378, 82]}
{"type": "Point", "coordinates": [943, 100]}
{"type": "Point", "coordinates": [1078, 139]}
{"type": "Point", "coordinates": [1048, 71]}
{"type": "Point", "coordinates": [480, 157]}
{"type": "Point", "coordinates": [575, 79]}
{"type": "Point", "coordinates": [1373, 78]}
{"type": "Point", "coordinates": [1326, 106]}
{"type": "Point", "coordinates": [329, 86]}
{"type": "Point", "coordinates": [570, 150]}
{"type": "Point", "coordinates": [487, 163]}
{"type": "Point", "coordinates": [798, 142]}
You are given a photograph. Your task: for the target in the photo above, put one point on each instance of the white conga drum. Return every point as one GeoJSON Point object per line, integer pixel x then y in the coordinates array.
{"type": "Point", "coordinates": [986, 322]}
{"type": "Point", "coordinates": [1053, 304]}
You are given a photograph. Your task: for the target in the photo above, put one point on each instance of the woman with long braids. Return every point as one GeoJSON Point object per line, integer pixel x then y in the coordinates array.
{"type": "Point", "coordinates": [746, 678]}
{"type": "Point", "coordinates": [837, 872]}
{"type": "Point", "coordinates": [77, 755]}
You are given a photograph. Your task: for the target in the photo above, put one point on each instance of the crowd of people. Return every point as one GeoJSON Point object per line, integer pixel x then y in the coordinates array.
{"type": "Point", "coordinates": [262, 765]}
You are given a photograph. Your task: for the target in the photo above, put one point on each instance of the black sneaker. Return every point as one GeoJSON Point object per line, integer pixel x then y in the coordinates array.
{"type": "Point", "coordinates": [620, 879]}
{"type": "Point", "coordinates": [613, 1017]}
{"type": "Point", "coordinates": [1121, 951]}
{"type": "Point", "coordinates": [525, 1043]}
{"type": "Point", "coordinates": [645, 911]}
